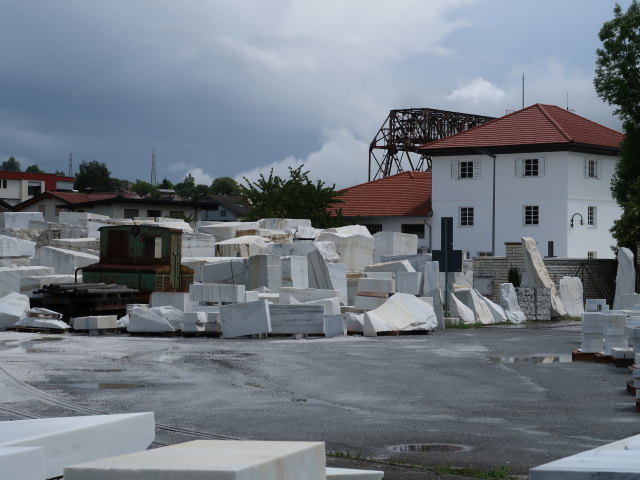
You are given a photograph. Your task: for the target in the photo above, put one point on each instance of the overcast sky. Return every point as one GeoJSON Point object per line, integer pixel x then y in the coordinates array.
{"type": "Point", "coordinates": [235, 87]}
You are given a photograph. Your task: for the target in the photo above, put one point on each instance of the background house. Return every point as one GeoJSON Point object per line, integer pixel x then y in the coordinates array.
{"type": "Point", "coordinates": [16, 187]}
{"type": "Point", "coordinates": [399, 203]}
{"type": "Point", "coordinates": [226, 208]}
{"type": "Point", "coordinates": [553, 169]}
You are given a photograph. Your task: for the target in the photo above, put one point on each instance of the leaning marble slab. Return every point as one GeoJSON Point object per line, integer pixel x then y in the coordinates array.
{"type": "Point", "coordinates": [24, 463]}
{"type": "Point", "coordinates": [213, 460]}
{"type": "Point", "coordinates": [69, 440]}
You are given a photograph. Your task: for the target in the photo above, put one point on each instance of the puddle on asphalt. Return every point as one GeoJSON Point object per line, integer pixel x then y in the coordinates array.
{"type": "Point", "coordinates": [562, 358]}
{"type": "Point", "coordinates": [162, 355]}
{"type": "Point", "coordinates": [430, 448]}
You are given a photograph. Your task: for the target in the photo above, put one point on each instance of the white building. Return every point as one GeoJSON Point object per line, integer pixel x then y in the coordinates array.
{"type": "Point", "coordinates": [553, 170]}
{"type": "Point", "coordinates": [16, 187]}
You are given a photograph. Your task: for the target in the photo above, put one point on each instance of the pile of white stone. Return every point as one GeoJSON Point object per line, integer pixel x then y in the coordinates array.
{"type": "Point", "coordinates": [114, 447]}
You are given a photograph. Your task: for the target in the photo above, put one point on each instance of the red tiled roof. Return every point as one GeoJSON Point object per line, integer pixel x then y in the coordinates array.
{"type": "Point", "coordinates": [404, 194]}
{"type": "Point", "coordinates": [535, 125]}
{"type": "Point", "coordinates": [77, 197]}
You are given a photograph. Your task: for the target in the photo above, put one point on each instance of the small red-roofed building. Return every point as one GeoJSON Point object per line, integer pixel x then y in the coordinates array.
{"type": "Point", "coordinates": [553, 170]}
{"type": "Point", "coordinates": [16, 187]}
{"type": "Point", "coordinates": [399, 203]}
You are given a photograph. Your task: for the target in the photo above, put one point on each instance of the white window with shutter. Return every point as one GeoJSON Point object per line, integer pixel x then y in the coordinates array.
{"type": "Point", "coordinates": [530, 167]}
{"type": "Point", "coordinates": [591, 168]}
{"type": "Point", "coordinates": [465, 170]}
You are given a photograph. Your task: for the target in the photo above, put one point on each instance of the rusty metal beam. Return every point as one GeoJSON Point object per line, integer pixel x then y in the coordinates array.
{"type": "Point", "coordinates": [395, 147]}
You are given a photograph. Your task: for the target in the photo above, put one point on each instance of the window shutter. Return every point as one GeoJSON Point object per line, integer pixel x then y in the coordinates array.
{"type": "Point", "coordinates": [519, 167]}
{"type": "Point", "coordinates": [476, 169]}
{"type": "Point", "coordinates": [542, 166]}
{"type": "Point", "coordinates": [455, 170]}
{"type": "Point", "coordinates": [586, 168]}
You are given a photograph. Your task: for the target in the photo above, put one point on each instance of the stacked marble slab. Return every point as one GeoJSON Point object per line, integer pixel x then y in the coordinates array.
{"type": "Point", "coordinates": [198, 245]}
{"type": "Point", "coordinates": [63, 441]}
{"type": "Point", "coordinates": [354, 244]}
{"type": "Point", "coordinates": [596, 305]}
{"type": "Point", "coordinates": [245, 319]}
{"type": "Point", "coordinates": [19, 220]}
{"type": "Point", "coordinates": [43, 319]}
{"type": "Point", "coordinates": [95, 323]}
{"type": "Point", "coordinates": [374, 290]}
{"type": "Point", "coordinates": [216, 293]}
{"type": "Point", "coordinates": [246, 246]}
{"type": "Point", "coordinates": [65, 262]}
{"type": "Point", "coordinates": [615, 335]}
{"type": "Point", "coordinates": [592, 332]}
{"type": "Point", "coordinates": [617, 460]}
{"type": "Point", "coordinates": [221, 460]}
{"type": "Point", "coordinates": [393, 243]}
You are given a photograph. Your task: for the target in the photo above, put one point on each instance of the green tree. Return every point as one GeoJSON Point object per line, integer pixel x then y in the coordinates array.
{"type": "Point", "coordinates": [186, 187]}
{"type": "Point", "coordinates": [296, 197]}
{"type": "Point", "coordinates": [165, 184]}
{"type": "Point", "coordinates": [96, 176]}
{"type": "Point", "coordinates": [617, 81]}
{"type": "Point", "coordinates": [60, 173]}
{"type": "Point", "coordinates": [225, 186]}
{"type": "Point", "coordinates": [616, 78]}
{"type": "Point", "coordinates": [34, 169]}
{"type": "Point", "coordinates": [144, 189]}
{"type": "Point", "coordinates": [11, 165]}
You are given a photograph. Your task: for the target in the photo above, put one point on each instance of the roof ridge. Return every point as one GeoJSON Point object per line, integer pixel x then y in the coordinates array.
{"type": "Point", "coordinates": [556, 124]}
{"type": "Point", "coordinates": [380, 179]}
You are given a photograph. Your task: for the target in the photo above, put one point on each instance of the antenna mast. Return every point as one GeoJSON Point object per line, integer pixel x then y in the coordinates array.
{"type": "Point", "coordinates": [523, 90]}
{"type": "Point", "coordinates": [154, 180]}
{"type": "Point", "coordinates": [70, 165]}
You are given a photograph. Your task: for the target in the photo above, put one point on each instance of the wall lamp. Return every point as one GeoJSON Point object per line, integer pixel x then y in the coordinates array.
{"type": "Point", "coordinates": [573, 216]}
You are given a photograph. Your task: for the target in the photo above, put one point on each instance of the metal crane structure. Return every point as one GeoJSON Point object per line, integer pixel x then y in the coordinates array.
{"type": "Point", "coordinates": [404, 130]}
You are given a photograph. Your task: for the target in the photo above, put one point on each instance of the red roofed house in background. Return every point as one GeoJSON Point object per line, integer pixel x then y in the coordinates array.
{"type": "Point", "coordinates": [16, 187]}
{"type": "Point", "coordinates": [400, 203]}
{"type": "Point", "coordinates": [553, 169]}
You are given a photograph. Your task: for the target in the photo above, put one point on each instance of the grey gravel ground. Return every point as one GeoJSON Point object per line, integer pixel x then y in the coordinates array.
{"type": "Point", "coordinates": [486, 390]}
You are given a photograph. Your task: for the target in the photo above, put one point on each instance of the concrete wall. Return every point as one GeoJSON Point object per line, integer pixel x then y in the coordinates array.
{"type": "Point", "coordinates": [561, 191]}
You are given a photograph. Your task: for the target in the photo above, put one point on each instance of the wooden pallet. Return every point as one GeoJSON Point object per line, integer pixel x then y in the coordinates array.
{"type": "Point", "coordinates": [630, 388]}
{"type": "Point", "coordinates": [155, 334]}
{"type": "Point", "coordinates": [578, 356]}
{"type": "Point", "coordinates": [53, 331]}
{"type": "Point", "coordinates": [396, 333]}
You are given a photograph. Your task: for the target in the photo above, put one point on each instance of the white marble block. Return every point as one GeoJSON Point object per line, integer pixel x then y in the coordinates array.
{"type": "Point", "coordinates": [225, 230]}
{"type": "Point", "coordinates": [331, 305]}
{"type": "Point", "coordinates": [198, 245]}
{"type": "Point", "coordinates": [19, 219]}
{"type": "Point", "coordinates": [409, 282]}
{"type": "Point", "coordinates": [509, 302]}
{"type": "Point", "coordinates": [393, 267]}
{"type": "Point", "coordinates": [338, 280]}
{"type": "Point", "coordinates": [460, 310]}
{"type": "Point", "coordinates": [431, 277]}
{"type": "Point", "coordinates": [42, 323]}
{"type": "Point", "coordinates": [363, 302]}
{"type": "Point", "coordinates": [23, 463]}
{"type": "Point", "coordinates": [402, 312]}
{"type": "Point", "coordinates": [628, 300]}
{"type": "Point", "coordinates": [179, 300]}
{"type": "Point", "coordinates": [499, 315]}
{"type": "Point", "coordinates": [295, 272]}
{"type": "Point", "coordinates": [227, 270]}
{"type": "Point", "coordinates": [69, 440]}
{"type": "Point", "coordinates": [9, 247]}
{"type": "Point", "coordinates": [625, 277]}
{"type": "Point", "coordinates": [335, 325]}
{"type": "Point", "coordinates": [480, 310]}
{"type": "Point", "coordinates": [284, 223]}
{"type": "Point", "coordinates": [242, 319]}
{"type": "Point", "coordinates": [355, 250]}
{"type": "Point", "coordinates": [352, 474]}
{"type": "Point", "coordinates": [376, 285]}
{"type": "Point", "coordinates": [291, 319]}
{"type": "Point", "coordinates": [265, 271]}
{"type": "Point", "coordinates": [95, 322]}
{"type": "Point", "coordinates": [246, 246]}
{"type": "Point", "coordinates": [319, 276]}
{"type": "Point", "coordinates": [213, 460]}
{"type": "Point", "coordinates": [64, 261]}
{"type": "Point", "coordinates": [595, 305]}
{"type": "Point", "coordinates": [304, 295]}
{"type": "Point", "coordinates": [537, 275]}
{"type": "Point", "coordinates": [437, 304]}
{"type": "Point", "coordinates": [216, 292]}
{"type": "Point", "coordinates": [147, 321]}
{"type": "Point", "coordinates": [394, 243]}
{"type": "Point", "coordinates": [13, 307]}
{"type": "Point", "coordinates": [571, 294]}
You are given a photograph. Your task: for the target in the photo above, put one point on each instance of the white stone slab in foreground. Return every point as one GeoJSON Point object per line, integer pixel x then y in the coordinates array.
{"type": "Point", "coordinates": [213, 460]}
{"type": "Point", "coordinates": [70, 440]}
{"type": "Point", "coordinates": [24, 463]}
{"type": "Point", "coordinates": [352, 474]}
{"type": "Point", "coordinates": [401, 312]}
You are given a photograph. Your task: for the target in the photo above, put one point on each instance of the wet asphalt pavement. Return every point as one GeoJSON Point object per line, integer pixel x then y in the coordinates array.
{"type": "Point", "coordinates": [488, 398]}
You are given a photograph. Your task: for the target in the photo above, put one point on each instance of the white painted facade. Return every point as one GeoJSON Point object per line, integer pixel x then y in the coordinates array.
{"type": "Point", "coordinates": [562, 188]}
{"type": "Point", "coordinates": [15, 191]}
